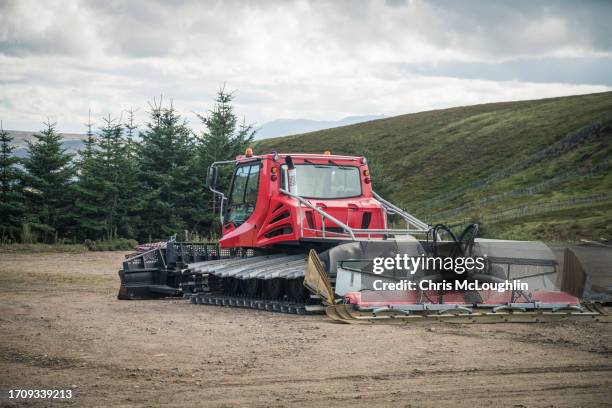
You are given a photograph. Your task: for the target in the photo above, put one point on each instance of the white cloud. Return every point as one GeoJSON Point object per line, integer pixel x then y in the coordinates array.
{"type": "Point", "coordinates": [319, 60]}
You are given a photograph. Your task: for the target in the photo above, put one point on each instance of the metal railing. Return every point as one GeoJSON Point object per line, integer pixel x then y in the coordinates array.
{"type": "Point", "coordinates": [353, 233]}
{"type": "Point", "coordinates": [409, 218]}
{"type": "Point", "coordinates": [323, 214]}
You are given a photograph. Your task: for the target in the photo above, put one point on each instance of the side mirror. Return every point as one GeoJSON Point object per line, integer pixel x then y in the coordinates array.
{"type": "Point", "coordinates": [211, 177]}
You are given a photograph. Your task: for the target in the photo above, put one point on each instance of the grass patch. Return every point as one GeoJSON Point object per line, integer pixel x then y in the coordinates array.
{"type": "Point", "coordinates": [433, 161]}
{"type": "Point", "coordinates": [120, 244]}
{"type": "Point", "coordinates": [42, 248]}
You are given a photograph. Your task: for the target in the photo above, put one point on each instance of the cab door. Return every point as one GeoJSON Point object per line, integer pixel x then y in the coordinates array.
{"type": "Point", "coordinates": [241, 204]}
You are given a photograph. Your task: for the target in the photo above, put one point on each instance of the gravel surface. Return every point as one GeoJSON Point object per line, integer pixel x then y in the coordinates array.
{"type": "Point", "coordinates": [63, 328]}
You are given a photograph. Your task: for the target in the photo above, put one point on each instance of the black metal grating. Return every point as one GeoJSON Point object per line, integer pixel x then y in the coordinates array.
{"type": "Point", "coordinates": [152, 259]}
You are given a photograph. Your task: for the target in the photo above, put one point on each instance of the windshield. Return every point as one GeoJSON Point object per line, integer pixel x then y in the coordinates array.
{"type": "Point", "coordinates": [327, 181]}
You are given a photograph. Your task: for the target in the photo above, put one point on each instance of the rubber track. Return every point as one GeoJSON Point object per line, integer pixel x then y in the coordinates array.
{"type": "Point", "coordinates": [279, 306]}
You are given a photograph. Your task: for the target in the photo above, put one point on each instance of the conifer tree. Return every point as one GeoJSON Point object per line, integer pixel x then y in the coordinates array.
{"type": "Point", "coordinates": [221, 139]}
{"type": "Point", "coordinates": [48, 184]}
{"type": "Point", "coordinates": [11, 199]}
{"type": "Point", "coordinates": [110, 150]}
{"type": "Point", "coordinates": [86, 189]}
{"type": "Point", "coordinates": [172, 189]}
{"type": "Point", "coordinates": [107, 190]}
{"type": "Point", "coordinates": [130, 192]}
{"type": "Point", "coordinates": [90, 190]}
{"type": "Point", "coordinates": [130, 126]}
{"type": "Point", "coordinates": [90, 141]}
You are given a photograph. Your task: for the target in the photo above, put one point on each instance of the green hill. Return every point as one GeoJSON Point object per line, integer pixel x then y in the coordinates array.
{"type": "Point", "coordinates": [523, 170]}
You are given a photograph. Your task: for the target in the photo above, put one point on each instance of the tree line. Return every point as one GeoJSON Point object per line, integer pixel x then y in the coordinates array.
{"type": "Point", "coordinates": [143, 184]}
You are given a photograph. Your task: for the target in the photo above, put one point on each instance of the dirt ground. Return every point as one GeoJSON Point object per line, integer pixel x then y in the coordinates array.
{"type": "Point", "coordinates": [62, 328]}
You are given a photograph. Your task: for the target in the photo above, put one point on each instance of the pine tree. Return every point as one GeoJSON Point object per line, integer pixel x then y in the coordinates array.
{"type": "Point", "coordinates": [107, 189]}
{"type": "Point", "coordinates": [111, 148]}
{"type": "Point", "coordinates": [90, 189]}
{"type": "Point", "coordinates": [11, 199]}
{"type": "Point", "coordinates": [48, 184]}
{"type": "Point", "coordinates": [171, 187]}
{"type": "Point", "coordinates": [221, 139]}
{"type": "Point", "coordinates": [130, 126]}
{"type": "Point", "coordinates": [89, 142]}
{"type": "Point", "coordinates": [130, 193]}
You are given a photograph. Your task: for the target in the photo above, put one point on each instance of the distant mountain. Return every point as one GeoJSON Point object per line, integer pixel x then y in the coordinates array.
{"type": "Point", "coordinates": [20, 136]}
{"type": "Point", "coordinates": [72, 141]}
{"type": "Point", "coordinates": [286, 127]}
{"type": "Point", "coordinates": [71, 146]}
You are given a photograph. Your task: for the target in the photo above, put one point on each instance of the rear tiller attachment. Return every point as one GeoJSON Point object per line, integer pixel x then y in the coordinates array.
{"type": "Point", "coordinates": [471, 306]}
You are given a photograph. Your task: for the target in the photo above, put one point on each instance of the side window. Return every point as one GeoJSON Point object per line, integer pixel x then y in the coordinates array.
{"type": "Point", "coordinates": [252, 187]}
{"type": "Point", "coordinates": [240, 182]}
{"type": "Point", "coordinates": [243, 197]}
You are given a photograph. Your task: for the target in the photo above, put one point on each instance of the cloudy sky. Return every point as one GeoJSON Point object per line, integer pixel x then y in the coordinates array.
{"type": "Point", "coordinates": [319, 60]}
